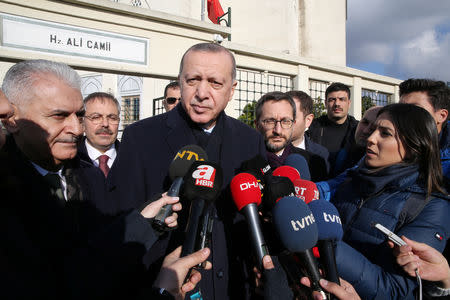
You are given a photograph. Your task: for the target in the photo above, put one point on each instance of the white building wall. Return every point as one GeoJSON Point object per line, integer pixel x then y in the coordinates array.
{"type": "Point", "coordinates": [258, 42]}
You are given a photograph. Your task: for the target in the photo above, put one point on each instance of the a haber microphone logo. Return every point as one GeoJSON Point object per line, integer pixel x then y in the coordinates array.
{"type": "Point", "coordinates": [204, 176]}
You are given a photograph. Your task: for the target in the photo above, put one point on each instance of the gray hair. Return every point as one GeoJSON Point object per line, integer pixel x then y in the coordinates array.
{"type": "Point", "coordinates": [101, 95]}
{"type": "Point", "coordinates": [20, 78]}
{"type": "Point", "coordinates": [211, 48]}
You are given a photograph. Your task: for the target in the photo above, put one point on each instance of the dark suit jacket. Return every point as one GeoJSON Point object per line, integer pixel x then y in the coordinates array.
{"type": "Point", "coordinates": [70, 250]}
{"type": "Point", "coordinates": [97, 181]}
{"type": "Point", "coordinates": [317, 149]}
{"type": "Point", "coordinates": [141, 170]}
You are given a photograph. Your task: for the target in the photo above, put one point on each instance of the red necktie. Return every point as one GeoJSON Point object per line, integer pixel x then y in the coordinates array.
{"type": "Point", "coordinates": [103, 164]}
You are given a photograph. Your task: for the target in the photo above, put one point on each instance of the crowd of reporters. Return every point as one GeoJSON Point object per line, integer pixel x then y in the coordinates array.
{"type": "Point", "coordinates": [113, 228]}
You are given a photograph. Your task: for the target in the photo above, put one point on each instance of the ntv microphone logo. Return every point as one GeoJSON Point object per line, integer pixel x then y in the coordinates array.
{"type": "Point", "coordinates": [204, 176]}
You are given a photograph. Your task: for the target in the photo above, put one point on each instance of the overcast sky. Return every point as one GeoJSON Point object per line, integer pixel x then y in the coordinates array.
{"type": "Point", "coordinates": [400, 38]}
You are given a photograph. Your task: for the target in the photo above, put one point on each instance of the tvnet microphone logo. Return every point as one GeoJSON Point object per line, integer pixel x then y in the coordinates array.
{"type": "Point", "coordinates": [188, 155]}
{"type": "Point", "coordinates": [204, 176]}
{"type": "Point", "coordinates": [247, 185]}
{"type": "Point", "coordinates": [305, 221]}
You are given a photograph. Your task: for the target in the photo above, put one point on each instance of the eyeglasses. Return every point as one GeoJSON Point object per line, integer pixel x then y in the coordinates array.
{"type": "Point", "coordinates": [98, 119]}
{"type": "Point", "coordinates": [271, 123]}
{"type": "Point", "coordinates": [172, 100]}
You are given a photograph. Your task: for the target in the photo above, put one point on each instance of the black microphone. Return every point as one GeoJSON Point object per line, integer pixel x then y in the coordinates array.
{"type": "Point", "coordinates": [177, 169]}
{"type": "Point", "coordinates": [330, 230]}
{"type": "Point", "coordinates": [202, 185]}
{"type": "Point", "coordinates": [276, 188]}
{"type": "Point", "coordinates": [298, 232]}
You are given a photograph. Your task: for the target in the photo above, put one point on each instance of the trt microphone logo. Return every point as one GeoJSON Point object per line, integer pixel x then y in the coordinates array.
{"type": "Point", "coordinates": [331, 218]}
{"type": "Point", "coordinates": [189, 155]}
{"type": "Point", "coordinates": [299, 192]}
{"type": "Point", "coordinates": [204, 176]}
{"type": "Point", "coordinates": [246, 185]}
{"type": "Point", "coordinates": [305, 221]}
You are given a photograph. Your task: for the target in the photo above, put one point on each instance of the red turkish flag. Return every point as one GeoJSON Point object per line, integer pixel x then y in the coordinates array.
{"type": "Point", "coordinates": [214, 10]}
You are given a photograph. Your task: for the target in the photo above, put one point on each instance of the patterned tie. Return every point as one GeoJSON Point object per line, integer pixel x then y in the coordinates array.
{"type": "Point", "coordinates": [102, 164]}
{"type": "Point", "coordinates": [55, 183]}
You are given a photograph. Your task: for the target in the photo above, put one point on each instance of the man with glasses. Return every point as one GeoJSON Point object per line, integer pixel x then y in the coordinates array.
{"type": "Point", "coordinates": [275, 116]}
{"type": "Point", "coordinates": [101, 125]}
{"type": "Point", "coordinates": [172, 95]}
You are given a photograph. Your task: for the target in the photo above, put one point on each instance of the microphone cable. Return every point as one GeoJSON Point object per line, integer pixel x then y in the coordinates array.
{"type": "Point", "coordinates": [419, 282]}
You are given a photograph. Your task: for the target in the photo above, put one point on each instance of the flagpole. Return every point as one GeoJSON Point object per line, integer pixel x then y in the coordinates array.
{"type": "Point", "coordinates": [203, 10]}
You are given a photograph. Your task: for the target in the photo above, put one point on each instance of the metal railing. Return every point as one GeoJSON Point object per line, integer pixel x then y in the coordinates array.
{"type": "Point", "coordinates": [252, 85]}
{"type": "Point", "coordinates": [377, 98]}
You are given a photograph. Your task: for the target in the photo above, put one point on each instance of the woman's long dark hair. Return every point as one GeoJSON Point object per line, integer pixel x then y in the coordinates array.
{"type": "Point", "coordinates": [417, 131]}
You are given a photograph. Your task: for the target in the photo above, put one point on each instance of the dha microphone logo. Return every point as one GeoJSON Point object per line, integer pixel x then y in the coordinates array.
{"type": "Point", "coordinates": [190, 155]}
{"type": "Point", "coordinates": [305, 221]}
{"type": "Point", "coordinates": [246, 185]}
{"type": "Point", "coordinates": [204, 176]}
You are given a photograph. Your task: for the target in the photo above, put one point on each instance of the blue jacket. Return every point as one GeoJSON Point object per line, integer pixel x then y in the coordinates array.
{"type": "Point", "coordinates": [444, 145]}
{"type": "Point", "coordinates": [363, 258]}
{"type": "Point", "coordinates": [327, 188]}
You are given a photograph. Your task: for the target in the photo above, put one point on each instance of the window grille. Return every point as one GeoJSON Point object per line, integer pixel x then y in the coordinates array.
{"type": "Point", "coordinates": [137, 3]}
{"type": "Point", "coordinates": [377, 98]}
{"type": "Point", "coordinates": [252, 85]}
{"type": "Point", "coordinates": [317, 90]}
{"type": "Point", "coordinates": [130, 110]}
{"type": "Point", "coordinates": [158, 107]}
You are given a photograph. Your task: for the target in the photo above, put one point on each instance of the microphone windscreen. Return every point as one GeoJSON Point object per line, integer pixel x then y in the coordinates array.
{"type": "Point", "coordinates": [245, 190]}
{"type": "Point", "coordinates": [257, 166]}
{"type": "Point", "coordinates": [295, 224]}
{"type": "Point", "coordinates": [184, 159]}
{"type": "Point", "coordinates": [327, 219]}
{"type": "Point", "coordinates": [306, 190]}
{"type": "Point", "coordinates": [287, 171]}
{"type": "Point", "coordinates": [204, 181]}
{"type": "Point", "coordinates": [298, 162]}
{"type": "Point", "coordinates": [276, 188]}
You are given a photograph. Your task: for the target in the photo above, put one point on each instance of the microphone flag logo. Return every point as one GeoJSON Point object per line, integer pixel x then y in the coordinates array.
{"type": "Point", "coordinates": [204, 176]}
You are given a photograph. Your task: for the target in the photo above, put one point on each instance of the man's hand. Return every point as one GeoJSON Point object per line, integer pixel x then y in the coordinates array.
{"type": "Point", "coordinates": [174, 270]}
{"type": "Point", "coordinates": [431, 263]}
{"type": "Point", "coordinates": [153, 208]}
{"type": "Point", "coordinates": [345, 291]}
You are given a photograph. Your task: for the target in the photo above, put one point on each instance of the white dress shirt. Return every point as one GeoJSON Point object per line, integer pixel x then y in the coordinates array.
{"type": "Point", "coordinates": [94, 154]}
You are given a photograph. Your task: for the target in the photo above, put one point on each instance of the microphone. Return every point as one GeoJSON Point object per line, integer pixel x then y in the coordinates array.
{"type": "Point", "coordinates": [258, 167]}
{"type": "Point", "coordinates": [177, 169]}
{"type": "Point", "coordinates": [247, 196]}
{"type": "Point", "coordinates": [330, 230]}
{"type": "Point", "coordinates": [287, 171]}
{"type": "Point", "coordinates": [298, 232]}
{"type": "Point", "coordinates": [298, 162]}
{"type": "Point", "coordinates": [202, 185]}
{"type": "Point", "coordinates": [276, 187]}
{"type": "Point", "coordinates": [306, 190]}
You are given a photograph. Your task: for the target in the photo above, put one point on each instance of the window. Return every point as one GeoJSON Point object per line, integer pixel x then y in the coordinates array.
{"type": "Point", "coordinates": [130, 110]}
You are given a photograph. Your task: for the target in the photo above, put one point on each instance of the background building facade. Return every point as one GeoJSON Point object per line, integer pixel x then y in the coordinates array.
{"type": "Point", "coordinates": [132, 48]}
